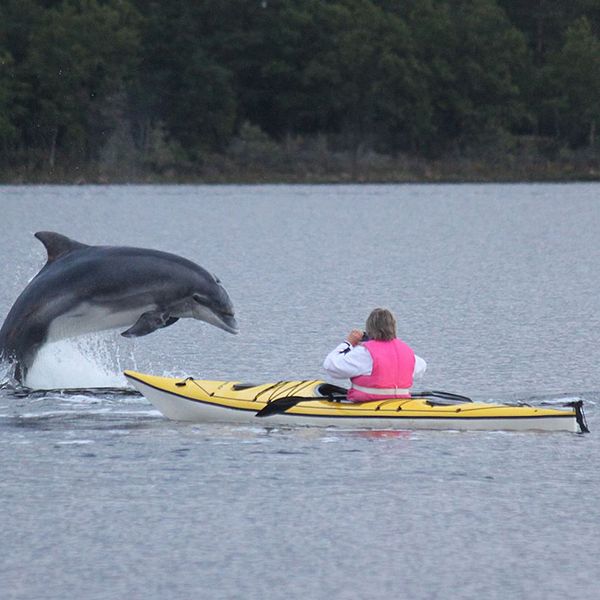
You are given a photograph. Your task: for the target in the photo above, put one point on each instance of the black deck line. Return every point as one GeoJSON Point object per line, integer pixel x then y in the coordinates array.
{"type": "Point", "coordinates": [396, 417]}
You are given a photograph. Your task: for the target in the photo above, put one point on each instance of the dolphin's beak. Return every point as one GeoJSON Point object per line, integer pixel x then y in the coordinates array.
{"type": "Point", "coordinates": [223, 319]}
{"type": "Point", "coordinates": [228, 323]}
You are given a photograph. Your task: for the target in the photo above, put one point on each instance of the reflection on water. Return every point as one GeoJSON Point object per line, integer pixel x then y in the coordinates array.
{"type": "Point", "coordinates": [379, 434]}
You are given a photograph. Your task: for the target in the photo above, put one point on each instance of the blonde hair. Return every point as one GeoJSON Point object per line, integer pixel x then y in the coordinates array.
{"type": "Point", "coordinates": [381, 325]}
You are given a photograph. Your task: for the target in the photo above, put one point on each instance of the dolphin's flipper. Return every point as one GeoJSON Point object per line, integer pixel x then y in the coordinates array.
{"type": "Point", "coordinates": [149, 322]}
{"type": "Point", "coordinates": [58, 245]}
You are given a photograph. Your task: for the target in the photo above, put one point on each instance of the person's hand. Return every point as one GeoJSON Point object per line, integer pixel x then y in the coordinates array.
{"type": "Point", "coordinates": [355, 336]}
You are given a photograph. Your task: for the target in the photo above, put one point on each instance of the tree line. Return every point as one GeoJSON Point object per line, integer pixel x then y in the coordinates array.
{"type": "Point", "coordinates": [82, 81]}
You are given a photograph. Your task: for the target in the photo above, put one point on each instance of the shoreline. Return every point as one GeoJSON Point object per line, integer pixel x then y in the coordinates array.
{"type": "Point", "coordinates": [279, 164]}
{"type": "Point", "coordinates": [292, 180]}
{"type": "Point", "coordinates": [278, 178]}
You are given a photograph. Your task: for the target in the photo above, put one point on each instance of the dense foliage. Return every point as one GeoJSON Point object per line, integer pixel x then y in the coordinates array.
{"type": "Point", "coordinates": [83, 81]}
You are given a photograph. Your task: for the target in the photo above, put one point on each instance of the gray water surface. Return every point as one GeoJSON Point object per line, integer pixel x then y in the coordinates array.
{"type": "Point", "coordinates": [496, 286]}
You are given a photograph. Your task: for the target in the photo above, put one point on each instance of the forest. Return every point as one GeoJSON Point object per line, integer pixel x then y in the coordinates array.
{"type": "Point", "coordinates": [299, 90]}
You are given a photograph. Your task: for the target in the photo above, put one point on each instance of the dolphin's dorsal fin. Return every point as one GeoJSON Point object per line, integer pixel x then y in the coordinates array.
{"type": "Point", "coordinates": [57, 245]}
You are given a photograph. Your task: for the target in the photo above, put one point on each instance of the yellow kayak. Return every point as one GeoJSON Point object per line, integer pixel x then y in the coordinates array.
{"type": "Point", "coordinates": [315, 402]}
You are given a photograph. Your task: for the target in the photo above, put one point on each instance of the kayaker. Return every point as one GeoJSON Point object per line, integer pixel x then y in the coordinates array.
{"type": "Point", "coordinates": [378, 364]}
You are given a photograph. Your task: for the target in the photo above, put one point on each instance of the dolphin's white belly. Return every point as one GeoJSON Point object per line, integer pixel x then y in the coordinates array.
{"type": "Point", "coordinates": [90, 318]}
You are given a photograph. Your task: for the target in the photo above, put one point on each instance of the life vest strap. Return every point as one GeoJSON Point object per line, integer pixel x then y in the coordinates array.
{"type": "Point", "coordinates": [381, 391]}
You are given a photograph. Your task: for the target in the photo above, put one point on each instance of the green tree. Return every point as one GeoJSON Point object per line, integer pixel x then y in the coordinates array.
{"type": "Point", "coordinates": [79, 57]}
{"type": "Point", "coordinates": [544, 22]}
{"type": "Point", "coordinates": [483, 58]}
{"type": "Point", "coordinates": [363, 78]}
{"type": "Point", "coordinates": [573, 76]}
{"type": "Point", "coordinates": [270, 70]}
{"type": "Point", "coordinates": [435, 40]}
{"type": "Point", "coordinates": [472, 64]}
{"type": "Point", "coordinates": [182, 85]}
{"type": "Point", "coordinates": [8, 131]}
{"type": "Point", "coordinates": [16, 22]}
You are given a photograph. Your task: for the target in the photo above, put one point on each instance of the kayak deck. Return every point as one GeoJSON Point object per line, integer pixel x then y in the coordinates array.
{"type": "Point", "coordinates": [315, 402]}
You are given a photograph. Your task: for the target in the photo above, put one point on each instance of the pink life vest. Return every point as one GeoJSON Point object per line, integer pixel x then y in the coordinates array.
{"type": "Point", "coordinates": [392, 374]}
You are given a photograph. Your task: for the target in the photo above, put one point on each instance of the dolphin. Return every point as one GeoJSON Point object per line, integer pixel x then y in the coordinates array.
{"type": "Point", "coordinates": [83, 289]}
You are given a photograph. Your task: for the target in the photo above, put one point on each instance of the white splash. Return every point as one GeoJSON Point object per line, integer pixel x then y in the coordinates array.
{"type": "Point", "coordinates": [85, 362]}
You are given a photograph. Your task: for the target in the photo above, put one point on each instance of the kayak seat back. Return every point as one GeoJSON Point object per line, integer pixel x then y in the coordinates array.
{"type": "Point", "coordinates": [335, 393]}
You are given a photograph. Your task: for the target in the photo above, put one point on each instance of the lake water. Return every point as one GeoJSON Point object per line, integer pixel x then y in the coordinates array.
{"type": "Point", "coordinates": [496, 286]}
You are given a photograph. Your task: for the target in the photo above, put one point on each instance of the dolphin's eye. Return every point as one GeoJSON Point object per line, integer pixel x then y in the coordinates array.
{"type": "Point", "coordinates": [200, 299]}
